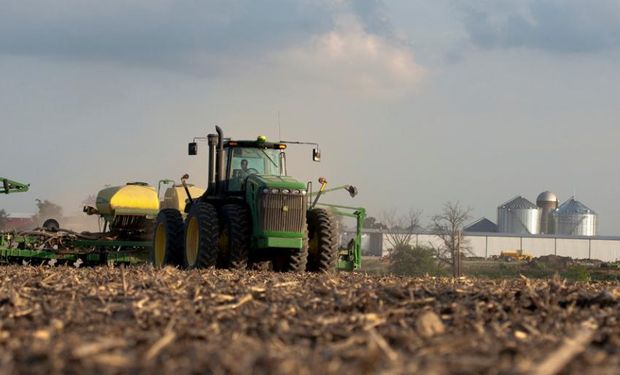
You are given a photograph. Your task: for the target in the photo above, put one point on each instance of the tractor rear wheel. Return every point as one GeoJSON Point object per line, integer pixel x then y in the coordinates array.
{"type": "Point", "coordinates": [323, 236]}
{"type": "Point", "coordinates": [292, 260]}
{"type": "Point", "coordinates": [235, 237]}
{"type": "Point", "coordinates": [201, 236]}
{"type": "Point", "coordinates": [167, 246]}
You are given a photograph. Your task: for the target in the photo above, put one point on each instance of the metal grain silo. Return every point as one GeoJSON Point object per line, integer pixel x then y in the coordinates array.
{"type": "Point", "coordinates": [548, 202]}
{"type": "Point", "coordinates": [518, 215]}
{"type": "Point", "coordinates": [574, 218]}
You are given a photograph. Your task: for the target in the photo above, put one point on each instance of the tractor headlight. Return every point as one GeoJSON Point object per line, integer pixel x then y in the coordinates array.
{"type": "Point", "coordinates": [275, 191]}
{"type": "Point", "coordinates": [285, 191]}
{"type": "Point", "coordinates": [265, 191]}
{"type": "Point", "coordinates": [303, 192]}
{"type": "Point", "coordinates": [296, 192]}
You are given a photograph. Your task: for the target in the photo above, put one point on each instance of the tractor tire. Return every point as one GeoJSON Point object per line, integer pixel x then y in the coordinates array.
{"type": "Point", "coordinates": [292, 260]}
{"type": "Point", "coordinates": [260, 266]}
{"type": "Point", "coordinates": [235, 237]}
{"type": "Point", "coordinates": [167, 246]}
{"type": "Point", "coordinates": [323, 241]}
{"type": "Point", "coordinates": [201, 236]}
{"type": "Point", "coordinates": [51, 225]}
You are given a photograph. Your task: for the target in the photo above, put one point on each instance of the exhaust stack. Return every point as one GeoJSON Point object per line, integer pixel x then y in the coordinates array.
{"type": "Point", "coordinates": [219, 161]}
{"type": "Point", "coordinates": [212, 141]}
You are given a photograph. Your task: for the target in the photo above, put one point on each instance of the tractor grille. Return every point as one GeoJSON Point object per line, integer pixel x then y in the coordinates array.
{"type": "Point", "coordinates": [282, 212]}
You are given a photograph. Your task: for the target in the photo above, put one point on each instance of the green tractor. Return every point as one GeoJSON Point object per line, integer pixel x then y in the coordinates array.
{"type": "Point", "coordinates": [252, 214]}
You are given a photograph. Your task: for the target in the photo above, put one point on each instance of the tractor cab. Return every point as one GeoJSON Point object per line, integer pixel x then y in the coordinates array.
{"type": "Point", "coordinates": [248, 160]}
{"type": "Point", "coordinates": [245, 168]}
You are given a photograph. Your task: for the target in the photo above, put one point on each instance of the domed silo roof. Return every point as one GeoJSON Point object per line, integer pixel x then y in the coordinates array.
{"type": "Point", "coordinates": [573, 206]}
{"type": "Point", "coordinates": [546, 196]}
{"type": "Point", "coordinates": [519, 203]}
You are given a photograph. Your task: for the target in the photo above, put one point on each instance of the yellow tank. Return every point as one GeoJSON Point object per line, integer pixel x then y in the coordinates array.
{"type": "Point", "coordinates": [133, 199]}
{"type": "Point", "coordinates": [175, 196]}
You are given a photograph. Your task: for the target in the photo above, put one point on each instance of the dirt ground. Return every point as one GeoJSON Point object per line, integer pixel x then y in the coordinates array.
{"type": "Point", "coordinates": [142, 320]}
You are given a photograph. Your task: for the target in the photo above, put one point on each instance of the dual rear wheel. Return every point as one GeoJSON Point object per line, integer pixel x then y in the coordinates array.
{"type": "Point", "coordinates": [235, 237]}
{"type": "Point", "coordinates": [206, 239]}
{"type": "Point", "coordinates": [167, 244]}
{"type": "Point", "coordinates": [201, 237]}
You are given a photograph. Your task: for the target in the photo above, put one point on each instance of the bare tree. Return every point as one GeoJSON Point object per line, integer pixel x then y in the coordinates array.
{"type": "Point", "coordinates": [448, 226]}
{"type": "Point", "coordinates": [47, 210]}
{"type": "Point", "coordinates": [372, 223]}
{"type": "Point", "coordinates": [400, 229]}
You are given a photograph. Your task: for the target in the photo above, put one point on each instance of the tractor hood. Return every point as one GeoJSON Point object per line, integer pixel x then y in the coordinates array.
{"type": "Point", "coordinates": [278, 182]}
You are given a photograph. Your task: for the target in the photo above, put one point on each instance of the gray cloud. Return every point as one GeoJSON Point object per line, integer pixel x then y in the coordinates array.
{"type": "Point", "coordinates": [551, 25]}
{"type": "Point", "coordinates": [374, 16]}
{"type": "Point", "coordinates": [167, 32]}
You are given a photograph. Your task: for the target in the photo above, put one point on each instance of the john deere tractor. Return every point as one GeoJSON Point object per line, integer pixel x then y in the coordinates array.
{"type": "Point", "coordinates": [251, 215]}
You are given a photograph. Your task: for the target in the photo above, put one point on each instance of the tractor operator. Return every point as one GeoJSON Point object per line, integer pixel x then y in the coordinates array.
{"type": "Point", "coordinates": [240, 175]}
{"type": "Point", "coordinates": [244, 172]}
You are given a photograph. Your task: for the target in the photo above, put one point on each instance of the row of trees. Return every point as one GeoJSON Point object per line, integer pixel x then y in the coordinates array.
{"type": "Point", "coordinates": [447, 226]}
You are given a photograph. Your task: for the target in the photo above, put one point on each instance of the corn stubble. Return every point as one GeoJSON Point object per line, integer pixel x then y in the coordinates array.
{"type": "Point", "coordinates": [143, 320]}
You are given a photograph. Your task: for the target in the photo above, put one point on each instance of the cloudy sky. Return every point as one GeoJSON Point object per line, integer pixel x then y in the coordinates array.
{"type": "Point", "coordinates": [415, 102]}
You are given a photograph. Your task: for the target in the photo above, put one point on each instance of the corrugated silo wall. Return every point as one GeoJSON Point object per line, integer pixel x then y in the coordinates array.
{"type": "Point", "coordinates": [576, 224]}
{"type": "Point", "coordinates": [520, 221]}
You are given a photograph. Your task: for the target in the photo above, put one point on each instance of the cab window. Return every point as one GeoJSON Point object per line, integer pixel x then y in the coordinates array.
{"type": "Point", "coordinates": [247, 161]}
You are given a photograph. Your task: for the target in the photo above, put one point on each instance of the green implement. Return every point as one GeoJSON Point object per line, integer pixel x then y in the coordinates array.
{"type": "Point", "coordinates": [350, 257]}
{"type": "Point", "coordinates": [9, 186]}
{"type": "Point", "coordinates": [43, 246]}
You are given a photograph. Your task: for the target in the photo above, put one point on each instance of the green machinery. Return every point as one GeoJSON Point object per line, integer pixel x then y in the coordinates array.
{"type": "Point", "coordinates": [65, 246]}
{"type": "Point", "coordinates": [251, 214]}
{"type": "Point", "coordinates": [41, 245]}
{"type": "Point", "coordinates": [9, 186]}
{"type": "Point", "coordinates": [349, 257]}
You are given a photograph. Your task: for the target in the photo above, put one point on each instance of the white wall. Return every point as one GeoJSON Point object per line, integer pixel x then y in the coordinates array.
{"type": "Point", "coordinates": [574, 248]}
{"type": "Point", "coordinates": [605, 249]}
{"type": "Point", "coordinates": [484, 245]}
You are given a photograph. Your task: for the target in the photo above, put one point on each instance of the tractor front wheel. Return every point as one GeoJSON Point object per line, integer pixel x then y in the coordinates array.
{"type": "Point", "coordinates": [323, 247]}
{"type": "Point", "coordinates": [167, 246]}
{"type": "Point", "coordinates": [201, 236]}
{"type": "Point", "coordinates": [292, 260]}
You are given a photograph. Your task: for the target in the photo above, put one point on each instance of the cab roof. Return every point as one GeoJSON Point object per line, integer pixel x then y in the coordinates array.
{"type": "Point", "coordinates": [254, 144]}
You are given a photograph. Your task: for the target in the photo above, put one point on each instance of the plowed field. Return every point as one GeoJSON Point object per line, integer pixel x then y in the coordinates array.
{"type": "Point", "coordinates": [142, 320]}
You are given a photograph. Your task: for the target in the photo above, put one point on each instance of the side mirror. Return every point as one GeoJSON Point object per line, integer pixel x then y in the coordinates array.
{"type": "Point", "coordinates": [352, 190]}
{"type": "Point", "coordinates": [192, 148]}
{"type": "Point", "coordinates": [316, 154]}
